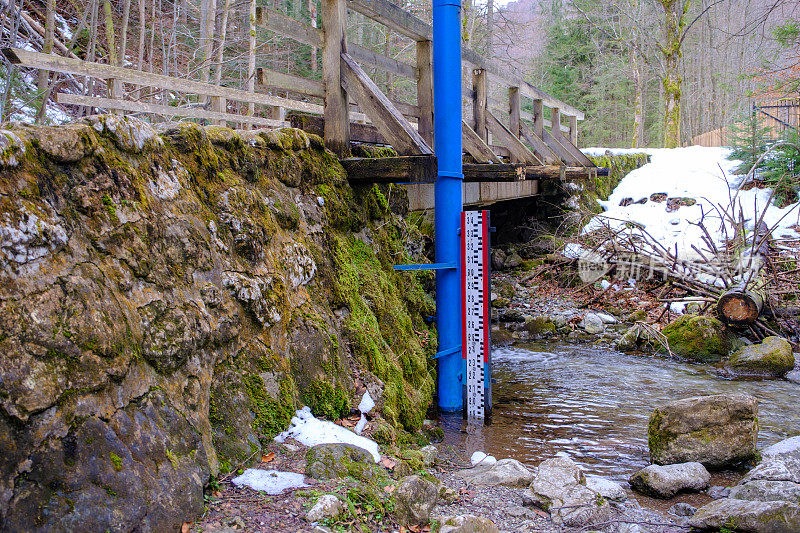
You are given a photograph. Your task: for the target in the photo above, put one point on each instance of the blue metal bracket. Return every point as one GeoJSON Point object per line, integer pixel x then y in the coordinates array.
{"type": "Point", "coordinates": [449, 351]}
{"type": "Point", "coordinates": [429, 266]}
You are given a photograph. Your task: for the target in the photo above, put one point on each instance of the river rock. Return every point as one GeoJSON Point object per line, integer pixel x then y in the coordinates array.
{"type": "Point", "coordinates": [794, 376]}
{"type": "Point", "coordinates": [779, 462]}
{"type": "Point", "coordinates": [559, 487]}
{"type": "Point", "coordinates": [592, 323]}
{"type": "Point", "coordinates": [610, 490]}
{"type": "Point", "coordinates": [764, 490]}
{"type": "Point", "coordinates": [429, 454]}
{"type": "Point", "coordinates": [682, 509]}
{"type": "Point", "coordinates": [639, 337]}
{"type": "Point", "coordinates": [327, 506]}
{"type": "Point", "coordinates": [509, 472]}
{"type": "Point", "coordinates": [770, 358]}
{"type": "Point", "coordinates": [498, 259]}
{"type": "Point", "coordinates": [414, 499]}
{"type": "Point", "coordinates": [668, 480]}
{"type": "Point", "coordinates": [716, 430]}
{"type": "Point", "coordinates": [748, 515]}
{"type": "Point", "coordinates": [467, 524]}
{"type": "Point", "coordinates": [331, 461]}
{"type": "Point", "coordinates": [512, 261]}
{"type": "Point", "coordinates": [698, 338]}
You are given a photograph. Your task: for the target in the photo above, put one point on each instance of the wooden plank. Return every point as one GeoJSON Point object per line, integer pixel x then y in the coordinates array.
{"type": "Point", "coordinates": [514, 111]}
{"type": "Point", "coordinates": [519, 152]}
{"type": "Point", "coordinates": [479, 92]}
{"type": "Point", "coordinates": [475, 146]}
{"type": "Point", "coordinates": [408, 110]}
{"type": "Point", "coordinates": [540, 148]}
{"type": "Point", "coordinates": [403, 169]}
{"type": "Point", "coordinates": [501, 109]}
{"type": "Point", "coordinates": [477, 172]}
{"type": "Point", "coordinates": [364, 133]}
{"type": "Point", "coordinates": [289, 27]}
{"type": "Point", "coordinates": [144, 107]}
{"type": "Point", "coordinates": [555, 129]}
{"type": "Point", "coordinates": [136, 77]}
{"type": "Point", "coordinates": [384, 115]}
{"type": "Point", "coordinates": [279, 80]}
{"type": "Point", "coordinates": [394, 17]}
{"type": "Point", "coordinates": [366, 56]}
{"type": "Point", "coordinates": [425, 90]}
{"type": "Point", "coordinates": [337, 122]}
{"type": "Point", "coordinates": [563, 153]}
{"type": "Point", "coordinates": [557, 171]}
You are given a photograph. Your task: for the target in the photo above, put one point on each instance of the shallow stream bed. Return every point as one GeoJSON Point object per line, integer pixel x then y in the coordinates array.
{"type": "Point", "coordinates": [594, 404]}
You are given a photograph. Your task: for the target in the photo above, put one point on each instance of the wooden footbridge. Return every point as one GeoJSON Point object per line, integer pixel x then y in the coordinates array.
{"type": "Point", "coordinates": [509, 143]}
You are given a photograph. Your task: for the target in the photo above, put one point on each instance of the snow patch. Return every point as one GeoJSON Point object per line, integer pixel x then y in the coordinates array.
{"type": "Point", "coordinates": [269, 481]}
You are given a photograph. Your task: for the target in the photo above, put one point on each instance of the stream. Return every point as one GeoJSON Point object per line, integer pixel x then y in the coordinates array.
{"type": "Point", "coordinates": [594, 404]}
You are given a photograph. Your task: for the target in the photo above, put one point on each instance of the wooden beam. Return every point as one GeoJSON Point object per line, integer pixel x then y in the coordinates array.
{"type": "Point", "coordinates": [155, 109]}
{"type": "Point", "coordinates": [425, 90]}
{"type": "Point", "coordinates": [384, 115]}
{"type": "Point", "coordinates": [404, 169]}
{"type": "Point", "coordinates": [557, 172]}
{"type": "Point", "coordinates": [279, 80]}
{"type": "Point", "coordinates": [102, 71]}
{"type": "Point", "coordinates": [555, 129]}
{"type": "Point", "coordinates": [477, 172]}
{"type": "Point", "coordinates": [540, 148]}
{"type": "Point", "coordinates": [366, 56]}
{"type": "Point", "coordinates": [479, 93]}
{"type": "Point", "coordinates": [394, 17]}
{"type": "Point", "coordinates": [364, 133]}
{"type": "Point", "coordinates": [519, 152]}
{"type": "Point", "coordinates": [289, 27]}
{"type": "Point", "coordinates": [475, 146]}
{"type": "Point", "coordinates": [514, 111]}
{"type": "Point", "coordinates": [563, 153]}
{"type": "Point", "coordinates": [337, 122]}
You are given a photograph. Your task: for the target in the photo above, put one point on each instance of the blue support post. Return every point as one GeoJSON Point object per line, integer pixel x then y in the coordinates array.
{"type": "Point", "coordinates": [448, 196]}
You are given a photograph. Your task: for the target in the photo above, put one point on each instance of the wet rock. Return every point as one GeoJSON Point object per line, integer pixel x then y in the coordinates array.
{"type": "Point", "coordinates": [592, 323]}
{"type": "Point", "coordinates": [764, 490]}
{"type": "Point", "coordinates": [716, 430]}
{"type": "Point", "coordinates": [771, 358]}
{"type": "Point", "coordinates": [414, 499]}
{"type": "Point", "coordinates": [327, 506]}
{"type": "Point", "coordinates": [560, 488]}
{"type": "Point", "coordinates": [610, 490]}
{"type": "Point", "coordinates": [540, 326]}
{"type": "Point", "coordinates": [512, 315]}
{"type": "Point", "coordinates": [779, 462]}
{"type": "Point", "coordinates": [747, 515]}
{"type": "Point", "coordinates": [638, 337]}
{"type": "Point", "coordinates": [682, 509]}
{"type": "Point", "coordinates": [467, 524]}
{"type": "Point", "coordinates": [699, 338]}
{"type": "Point", "coordinates": [794, 376]}
{"type": "Point", "coordinates": [668, 480]}
{"type": "Point", "coordinates": [509, 472]}
{"type": "Point", "coordinates": [331, 461]}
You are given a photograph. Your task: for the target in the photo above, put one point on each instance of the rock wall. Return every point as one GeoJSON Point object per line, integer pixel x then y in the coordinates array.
{"type": "Point", "coordinates": [168, 299]}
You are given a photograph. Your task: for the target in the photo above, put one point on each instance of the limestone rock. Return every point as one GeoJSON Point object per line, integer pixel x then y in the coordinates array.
{"type": "Point", "coordinates": [331, 461]}
{"type": "Point", "coordinates": [747, 515]}
{"type": "Point", "coordinates": [592, 323]}
{"type": "Point", "coordinates": [715, 430]}
{"type": "Point", "coordinates": [764, 490]}
{"type": "Point", "coordinates": [509, 472]}
{"type": "Point", "coordinates": [610, 490]}
{"type": "Point", "coordinates": [327, 506]}
{"type": "Point", "coordinates": [512, 261]}
{"type": "Point", "coordinates": [699, 338]}
{"type": "Point", "coordinates": [668, 480]}
{"type": "Point", "coordinates": [467, 524]}
{"type": "Point", "coordinates": [429, 454]}
{"type": "Point", "coordinates": [771, 358]}
{"type": "Point", "coordinates": [682, 509]}
{"type": "Point", "coordinates": [414, 499]}
{"type": "Point", "coordinates": [560, 488]}
{"type": "Point", "coordinates": [779, 462]}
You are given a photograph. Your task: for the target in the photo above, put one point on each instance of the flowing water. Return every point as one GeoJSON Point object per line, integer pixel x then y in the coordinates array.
{"type": "Point", "coordinates": [594, 404]}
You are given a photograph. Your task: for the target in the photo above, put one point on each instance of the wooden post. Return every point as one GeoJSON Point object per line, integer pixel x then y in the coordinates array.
{"type": "Point", "coordinates": [555, 122]}
{"type": "Point", "coordinates": [573, 130]}
{"type": "Point", "coordinates": [113, 91]}
{"type": "Point", "coordinates": [513, 110]}
{"type": "Point", "coordinates": [538, 118]}
{"type": "Point", "coordinates": [425, 90]}
{"type": "Point", "coordinates": [219, 104]}
{"type": "Point", "coordinates": [479, 103]}
{"type": "Point", "coordinates": [337, 122]}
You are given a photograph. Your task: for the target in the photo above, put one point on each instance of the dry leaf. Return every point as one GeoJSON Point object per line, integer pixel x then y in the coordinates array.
{"type": "Point", "coordinates": [388, 463]}
{"type": "Point", "coordinates": [402, 529]}
{"type": "Point", "coordinates": [413, 529]}
{"type": "Point", "coordinates": [266, 458]}
{"type": "Point", "coordinates": [540, 513]}
{"type": "Point", "coordinates": [388, 489]}
{"type": "Point", "coordinates": [186, 527]}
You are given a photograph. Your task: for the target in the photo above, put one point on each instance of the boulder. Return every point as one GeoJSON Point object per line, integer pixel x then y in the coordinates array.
{"type": "Point", "coordinates": [513, 261]}
{"type": "Point", "coordinates": [716, 430]}
{"type": "Point", "coordinates": [764, 490]}
{"type": "Point", "coordinates": [682, 509]}
{"type": "Point", "coordinates": [748, 515]}
{"type": "Point", "coordinates": [610, 490]}
{"type": "Point", "coordinates": [771, 358]}
{"type": "Point", "coordinates": [638, 337]}
{"type": "Point", "coordinates": [414, 499]}
{"type": "Point", "coordinates": [560, 488]}
{"type": "Point", "coordinates": [699, 338]}
{"type": "Point", "coordinates": [667, 481]}
{"type": "Point", "coordinates": [509, 472]}
{"type": "Point", "coordinates": [429, 454]}
{"type": "Point", "coordinates": [467, 524]}
{"type": "Point", "coordinates": [498, 259]}
{"type": "Point", "coordinates": [327, 506]}
{"type": "Point", "coordinates": [779, 462]}
{"type": "Point", "coordinates": [592, 323]}
{"type": "Point", "coordinates": [331, 461]}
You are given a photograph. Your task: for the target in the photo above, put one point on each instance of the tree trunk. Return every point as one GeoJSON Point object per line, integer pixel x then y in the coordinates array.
{"type": "Point", "coordinates": [638, 104]}
{"type": "Point", "coordinates": [110, 43]}
{"type": "Point", "coordinates": [251, 57]}
{"type": "Point", "coordinates": [490, 29]}
{"type": "Point", "coordinates": [209, 17]}
{"type": "Point", "coordinates": [675, 21]}
{"type": "Point", "coordinates": [47, 48]}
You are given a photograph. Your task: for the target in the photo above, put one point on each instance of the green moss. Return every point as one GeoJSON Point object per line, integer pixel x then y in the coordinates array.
{"type": "Point", "coordinates": [116, 461]}
{"type": "Point", "coordinates": [326, 400]}
{"type": "Point", "coordinates": [111, 208]}
{"type": "Point", "coordinates": [271, 415]}
{"type": "Point", "coordinates": [699, 338]}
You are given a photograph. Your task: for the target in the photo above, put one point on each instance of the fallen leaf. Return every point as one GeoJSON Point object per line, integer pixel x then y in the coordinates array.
{"type": "Point", "coordinates": [540, 513]}
{"type": "Point", "coordinates": [186, 527]}
{"type": "Point", "coordinates": [266, 458]}
{"type": "Point", "coordinates": [388, 489]}
{"type": "Point", "coordinates": [388, 463]}
{"type": "Point", "coordinates": [402, 529]}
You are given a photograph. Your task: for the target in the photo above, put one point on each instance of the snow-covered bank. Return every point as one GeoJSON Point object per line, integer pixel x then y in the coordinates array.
{"type": "Point", "coordinates": [695, 173]}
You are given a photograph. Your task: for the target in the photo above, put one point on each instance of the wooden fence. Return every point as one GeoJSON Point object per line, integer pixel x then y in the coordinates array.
{"type": "Point", "coordinates": [779, 116]}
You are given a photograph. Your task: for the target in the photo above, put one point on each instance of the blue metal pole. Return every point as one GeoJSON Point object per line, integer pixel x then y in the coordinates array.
{"type": "Point", "coordinates": [448, 195]}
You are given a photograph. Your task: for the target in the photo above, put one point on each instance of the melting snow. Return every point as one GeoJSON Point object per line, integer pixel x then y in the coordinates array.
{"type": "Point", "coordinates": [269, 481]}
{"type": "Point", "coordinates": [306, 429]}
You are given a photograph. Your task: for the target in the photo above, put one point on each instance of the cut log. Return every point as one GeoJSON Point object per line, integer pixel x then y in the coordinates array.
{"type": "Point", "coordinates": [742, 304]}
